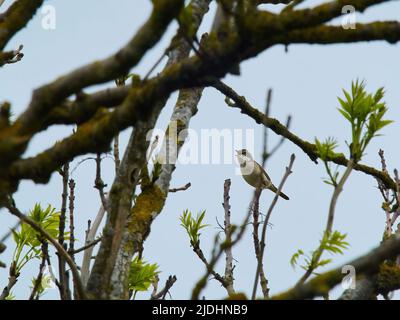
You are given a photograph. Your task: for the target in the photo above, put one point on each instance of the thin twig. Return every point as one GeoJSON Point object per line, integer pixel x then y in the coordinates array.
{"type": "Point", "coordinates": [156, 64]}
{"type": "Point", "coordinates": [256, 240]}
{"type": "Point", "coordinates": [10, 232]}
{"type": "Point", "coordinates": [87, 246]}
{"type": "Point", "coordinates": [98, 183]}
{"type": "Point", "coordinates": [385, 194]}
{"type": "Point", "coordinates": [116, 153]}
{"type": "Point", "coordinates": [266, 221]}
{"type": "Point", "coordinates": [397, 195]}
{"type": "Point", "coordinates": [209, 267]}
{"type": "Point", "coordinates": [168, 285]}
{"type": "Point", "coordinates": [228, 238]}
{"type": "Point", "coordinates": [38, 281]}
{"type": "Point", "coordinates": [81, 162]}
{"type": "Point", "coordinates": [71, 207]}
{"type": "Point", "coordinates": [65, 293]}
{"type": "Point", "coordinates": [216, 254]}
{"type": "Point", "coordinates": [185, 187]}
{"type": "Point", "coordinates": [265, 154]}
{"type": "Point", "coordinates": [329, 223]}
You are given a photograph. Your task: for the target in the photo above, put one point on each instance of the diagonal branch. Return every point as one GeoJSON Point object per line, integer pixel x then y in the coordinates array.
{"type": "Point", "coordinates": [60, 249]}
{"type": "Point", "coordinates": [85, 106]}
{"type": "Point", "coordinates": [16, 18]}
{"type": "Point", "coordinates": [329, 224]}
{"type": "Point", "coordinates": [307, 147]}
{"type": "Point", "coordinates": [367, 265]}
{"type": "Point", "coordinates": [47, 97]}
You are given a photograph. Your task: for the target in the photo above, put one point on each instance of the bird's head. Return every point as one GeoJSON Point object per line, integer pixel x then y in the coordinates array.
{"type": "Point", "coordinates": [243, 155]}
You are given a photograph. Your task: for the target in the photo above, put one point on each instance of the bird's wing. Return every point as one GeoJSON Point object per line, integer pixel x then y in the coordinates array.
{"type": "Point", "coordinates": [262, 170]}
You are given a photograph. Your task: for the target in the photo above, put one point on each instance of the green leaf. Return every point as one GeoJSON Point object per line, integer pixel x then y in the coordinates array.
{"type": "Point", "coordinates": [193, 225]}
{"type": "Point", "coordinates": [28, 241]}
{"type": "Point", "coordinates": [365, 113]}
{"type": "Point", "coordinates": [142, 275]}
{"type": "Point", "coordinates": [324, 262]}
{"type": "Point", "coordinates": [295, 258]}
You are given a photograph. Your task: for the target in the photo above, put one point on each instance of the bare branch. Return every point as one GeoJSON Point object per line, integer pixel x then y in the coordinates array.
{"type": "Point", "coordinates": [257, 249]}
{"type": "Point", "coordinates": [228, 277]}
{"type": "Point", "coordinates": [219, 250]}
{"type": "Point", "coordinates": [266, 221]}
{"type": "Point", "coordinates": [99, 184]}
{"type": "Point", "coordinates": [38, 281]}
{"type": "Point", "coordinates": [185, 187]}
{"type": "Point", "coordinates": [65, 293]}
{"type": "Point", "coordinates": [85, 247]}
{"type": "Point", "coordinates": [168, 285]}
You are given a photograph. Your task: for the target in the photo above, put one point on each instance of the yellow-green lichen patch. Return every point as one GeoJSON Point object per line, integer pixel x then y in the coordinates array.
{"type": "Point", "coordinates": [148, 204]}
{"type": "Point", "coordinates": [388, 277]}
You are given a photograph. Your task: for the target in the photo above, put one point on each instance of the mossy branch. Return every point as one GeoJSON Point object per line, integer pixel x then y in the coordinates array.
{"type": "Point", "coordinates": [367, 265]}
{"type": "Point", "coordinates": [380, 30]}
{"type": "Point", "coordinates": [307, 147]}
{"type": "Point", "coordinates": [15, 18]}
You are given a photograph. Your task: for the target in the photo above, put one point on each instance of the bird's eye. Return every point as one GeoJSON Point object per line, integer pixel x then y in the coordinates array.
{"type": "Point", "coordinates": [244, 152]}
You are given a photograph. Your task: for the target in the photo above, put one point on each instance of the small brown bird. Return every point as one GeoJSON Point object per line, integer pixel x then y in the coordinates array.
{"type": "Point", "coordinates": [254, 174]}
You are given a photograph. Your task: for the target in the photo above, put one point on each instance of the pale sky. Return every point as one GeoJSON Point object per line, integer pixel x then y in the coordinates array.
{"type": "Point", "coordinates": [306, 81]}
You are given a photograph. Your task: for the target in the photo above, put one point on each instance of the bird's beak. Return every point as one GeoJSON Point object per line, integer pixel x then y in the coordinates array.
{"type": "Point", "coordinates": [237, 152]}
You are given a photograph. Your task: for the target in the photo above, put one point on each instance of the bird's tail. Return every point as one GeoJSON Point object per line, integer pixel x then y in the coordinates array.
{"type": "Point", "coordinates": [281, 194]}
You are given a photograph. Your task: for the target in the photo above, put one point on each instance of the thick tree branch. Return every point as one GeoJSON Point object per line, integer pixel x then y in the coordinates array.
{"type": "Point", "coordinates": [86, 106]}
{"type": "Point", "coordinates": [16, 18]}
{"type": "Point", "coordinates": [367, 265]}
{"type": "Point", "coordinates": [380, 30]}
{"type": "Point", "coordinates": [118, 207]}
{"type": "Point", "coordinates": [47, 97]}
{"type": "Point", "coordinates": [191, 72]}
{"type": "Point", "coordinates": [310, 17]}
{"type": "Point", "coordinates": [150, 201]}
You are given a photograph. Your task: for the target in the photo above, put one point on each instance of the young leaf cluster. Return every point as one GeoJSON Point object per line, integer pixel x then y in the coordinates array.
{"type": "Point", "coordinates": [141, 275]}
{"type": "Point", "coordinates": [326, 151]}
{"type": "Point", "coordinates": [193, 225]}
{"type": "Point", "coordinates": [365, 113]}
{"type": "Point", "coordinates": [333, 243]}
{"type": "Point", "coordinates": [28, 240]}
